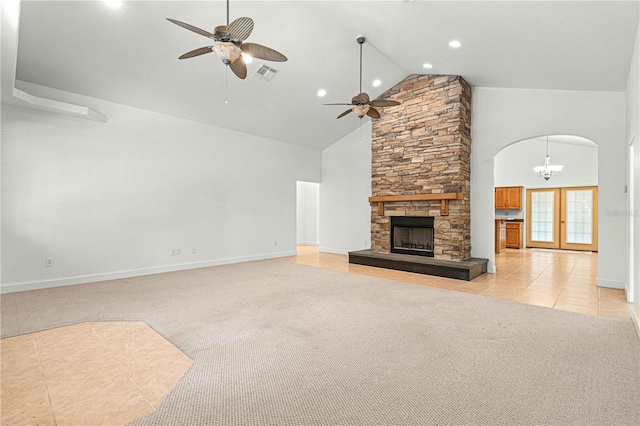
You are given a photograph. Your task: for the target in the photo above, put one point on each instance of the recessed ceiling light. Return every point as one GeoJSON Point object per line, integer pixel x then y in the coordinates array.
{"type": "Point", "coordinates": [247, 58]}
{"type": "Point", "coordinates": [113, 3]}
{"type": "Point", "coordinates": [322, 92]}
{"type": "Point", "coordinates": [455, 43]}
{"type": "Point", "coordinates": [427, 66]}
{"type": "Point", "coordinates": [376, 83]}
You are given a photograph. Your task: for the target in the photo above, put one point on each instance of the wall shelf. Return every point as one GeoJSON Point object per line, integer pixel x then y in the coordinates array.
{"type": "Point", "coordinates": [443, 198]}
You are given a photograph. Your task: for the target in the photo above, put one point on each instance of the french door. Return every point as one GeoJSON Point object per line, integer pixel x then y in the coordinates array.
{"type": "Point", "coordinates": [563, 218]}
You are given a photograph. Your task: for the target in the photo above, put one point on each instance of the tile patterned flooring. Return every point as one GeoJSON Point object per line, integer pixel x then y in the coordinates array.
{"type": "Point", "coordinates": [555, 279]}
{"type": "Point", "coordinates": [87, 374]}
{"type": "Point", "coordinates": [110, 376]}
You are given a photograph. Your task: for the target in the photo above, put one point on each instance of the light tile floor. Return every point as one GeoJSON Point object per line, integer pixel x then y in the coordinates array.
{"type": "Point", "coordinates": [105, 373]}
{"type": "Point", "coordinates": [94, 373]}
{"type": "Point", "coordinates": [555, 279]}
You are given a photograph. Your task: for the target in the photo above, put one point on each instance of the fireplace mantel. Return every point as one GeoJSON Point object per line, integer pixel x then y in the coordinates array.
{"type": "Point", "coordinates": [443, 198]}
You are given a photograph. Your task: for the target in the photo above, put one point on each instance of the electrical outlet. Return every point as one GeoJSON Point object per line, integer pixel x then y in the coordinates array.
{"type": "Point", "coordinates": [194, 250]}
{"type": "Point", "coordinates": [48, 262]}
{"type": "Point", "coordinates": [176, 252]}
{"type": "Point", "coordinates": [275, 243]}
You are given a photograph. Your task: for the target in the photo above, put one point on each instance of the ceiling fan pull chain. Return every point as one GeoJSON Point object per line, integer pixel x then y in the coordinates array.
{"type": "Point", "coordinates": [226, 84]}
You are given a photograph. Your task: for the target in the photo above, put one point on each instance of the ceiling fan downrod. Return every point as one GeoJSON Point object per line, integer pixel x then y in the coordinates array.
{"type": "Point", "coordinates": [361, 40]}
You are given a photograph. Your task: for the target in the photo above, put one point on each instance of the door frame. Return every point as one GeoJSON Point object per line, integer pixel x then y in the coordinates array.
{"type": "Point", "coordinates": [594, 220]}
{"type": "Point", "coordinates": [555, 244]}
{"type": "Point", "coordinates": [559, 217]}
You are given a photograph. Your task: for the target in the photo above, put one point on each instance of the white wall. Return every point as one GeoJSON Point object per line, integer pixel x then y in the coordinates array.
{"type": "Point", "coordinates": [307, 213]}
{"type": "Point", "coordinates": [345, 212]}
{"type": "Point", "coordinates": [108, 200]}
{"type": "Point", "coordinates": [633, 130]}
{"type": "Point", "coordinates": [514, 165]}
{"type": "Point", "coordinates": [504, 116]}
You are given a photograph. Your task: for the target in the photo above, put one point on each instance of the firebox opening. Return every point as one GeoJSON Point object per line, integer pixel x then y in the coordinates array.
{"type": "Point", "coordinates": [412, 235]}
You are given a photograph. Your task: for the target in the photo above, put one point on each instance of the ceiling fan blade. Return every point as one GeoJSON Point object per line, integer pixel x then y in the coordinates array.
{"type": "Point", "coordinates": [383, 103]}
{"type": "Point", "coordinates": [345, 113]}
{"type": "Point", "coordinates": [373, 113]}
{"type": "Point", "coordinates": [262, 52]}
{"type": "Point", "coordinates": [191, 28]}
{"type": "Point", "coordinates": [197, 52]}
{"type": "Point", "coordinates": [241, 28]}
{"type": "Point", "coordinates": [239, 68]}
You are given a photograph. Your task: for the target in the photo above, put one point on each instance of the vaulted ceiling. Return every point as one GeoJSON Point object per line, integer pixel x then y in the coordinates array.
{"type": "Point", "coordinates": [130, 55]}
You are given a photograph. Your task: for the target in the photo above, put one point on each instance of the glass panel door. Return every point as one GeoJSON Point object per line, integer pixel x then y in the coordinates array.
{"type": "Point", "coordinates": [579, 217]}
{"type": "Point", "coordinates": [565, 218]}
{"type": "Point", "coordinates": [543, 218]}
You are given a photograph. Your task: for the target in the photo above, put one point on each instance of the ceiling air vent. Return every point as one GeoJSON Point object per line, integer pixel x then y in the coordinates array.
{"type": "Point", "coordinates": [266, 73]}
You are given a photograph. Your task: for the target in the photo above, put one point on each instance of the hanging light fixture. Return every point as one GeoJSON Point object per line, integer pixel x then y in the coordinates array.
{"type": "Point", "coordinates": [547, 170]}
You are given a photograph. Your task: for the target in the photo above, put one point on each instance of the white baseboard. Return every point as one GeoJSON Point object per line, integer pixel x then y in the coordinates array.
{"type": "Point", "coordinates": [610, 283]}
{"type": "Point", "coordinates": [86, 279]}
{"type": "Point", "coordinates": [308, 243]}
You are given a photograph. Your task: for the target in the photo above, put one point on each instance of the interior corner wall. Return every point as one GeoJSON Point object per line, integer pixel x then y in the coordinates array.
{"type": "Point", "coordinates": [501, 117]}
{"type": "Point", "coordinates": [345, 212]}
{"type": "Point", "coordinates": [111, 200]}
{"type": "Point", "coordinates": [632, 97]}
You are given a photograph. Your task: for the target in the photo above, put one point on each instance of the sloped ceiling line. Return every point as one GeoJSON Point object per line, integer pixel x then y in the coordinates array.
{"type": "Point", "coordinates": [10, 31]}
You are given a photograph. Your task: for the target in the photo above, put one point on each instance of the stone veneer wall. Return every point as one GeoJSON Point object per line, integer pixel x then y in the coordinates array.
{"type": "Point", "coordinates": [423, 146]}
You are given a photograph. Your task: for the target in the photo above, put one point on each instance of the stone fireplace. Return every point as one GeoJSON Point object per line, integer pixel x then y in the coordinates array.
{"type": "Point", "coordinates": [420, 181]}
{"type": "Point", "coordinates": [421, 163]}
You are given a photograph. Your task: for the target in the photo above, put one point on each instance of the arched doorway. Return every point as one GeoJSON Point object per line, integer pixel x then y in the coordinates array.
{"type": "Point", "coordinates": [557, 211]}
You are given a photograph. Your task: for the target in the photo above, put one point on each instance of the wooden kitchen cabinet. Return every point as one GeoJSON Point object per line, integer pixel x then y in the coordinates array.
{"type": "Point", "coordinates": [501, 235]}
{"type": "Point", "coordinates": [508, 197]}
{"type": "Point", "coordinates": [513, 235]}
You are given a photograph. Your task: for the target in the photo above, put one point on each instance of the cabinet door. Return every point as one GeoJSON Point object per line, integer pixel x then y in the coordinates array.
{"type": "Point", "coordinates": [514, 197]}
{"type": "Point", "coordinates": [503, 237]}
{"type": "Point", "coordinates": [501, 198]}
{"type": "Point", "coordinates": [513, 235]}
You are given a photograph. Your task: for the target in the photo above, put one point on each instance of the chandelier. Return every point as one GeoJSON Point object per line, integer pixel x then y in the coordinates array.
{"type": "Point", "coordinates": [547, 170]}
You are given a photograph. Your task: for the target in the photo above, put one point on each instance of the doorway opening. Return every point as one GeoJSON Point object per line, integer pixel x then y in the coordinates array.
{"type": "Point", "coordinates": [307, 213]}
{"type": "Point", "coordinates": [514, 167]}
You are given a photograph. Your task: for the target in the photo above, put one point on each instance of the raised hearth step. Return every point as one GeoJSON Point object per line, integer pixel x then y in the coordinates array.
{"type": "Point", "coordinates": [466, 269]}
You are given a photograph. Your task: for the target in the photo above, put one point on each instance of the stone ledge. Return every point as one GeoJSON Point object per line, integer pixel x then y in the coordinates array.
{"type": "Point", "coordinates": [467, 269]}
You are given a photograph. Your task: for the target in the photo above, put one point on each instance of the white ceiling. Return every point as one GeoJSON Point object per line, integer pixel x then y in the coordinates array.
{"type": "Point", "coordinates": [129, 55]}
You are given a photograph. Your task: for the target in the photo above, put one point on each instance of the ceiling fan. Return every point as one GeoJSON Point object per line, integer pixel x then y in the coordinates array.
{"type": "Point", "coordinates": [229, 44]}
{"type": "Point", "coordinates": [361, 104]}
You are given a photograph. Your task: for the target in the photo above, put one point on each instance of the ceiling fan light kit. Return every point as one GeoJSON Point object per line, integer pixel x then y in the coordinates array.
{"type": "Point", "coordinates": [227, 52]}
{"type": "Point", "coordinates": [361, 103]}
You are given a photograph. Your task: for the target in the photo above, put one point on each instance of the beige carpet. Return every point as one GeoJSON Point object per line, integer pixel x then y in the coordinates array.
{"type": "Point", "coordinates": [283, 344]}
